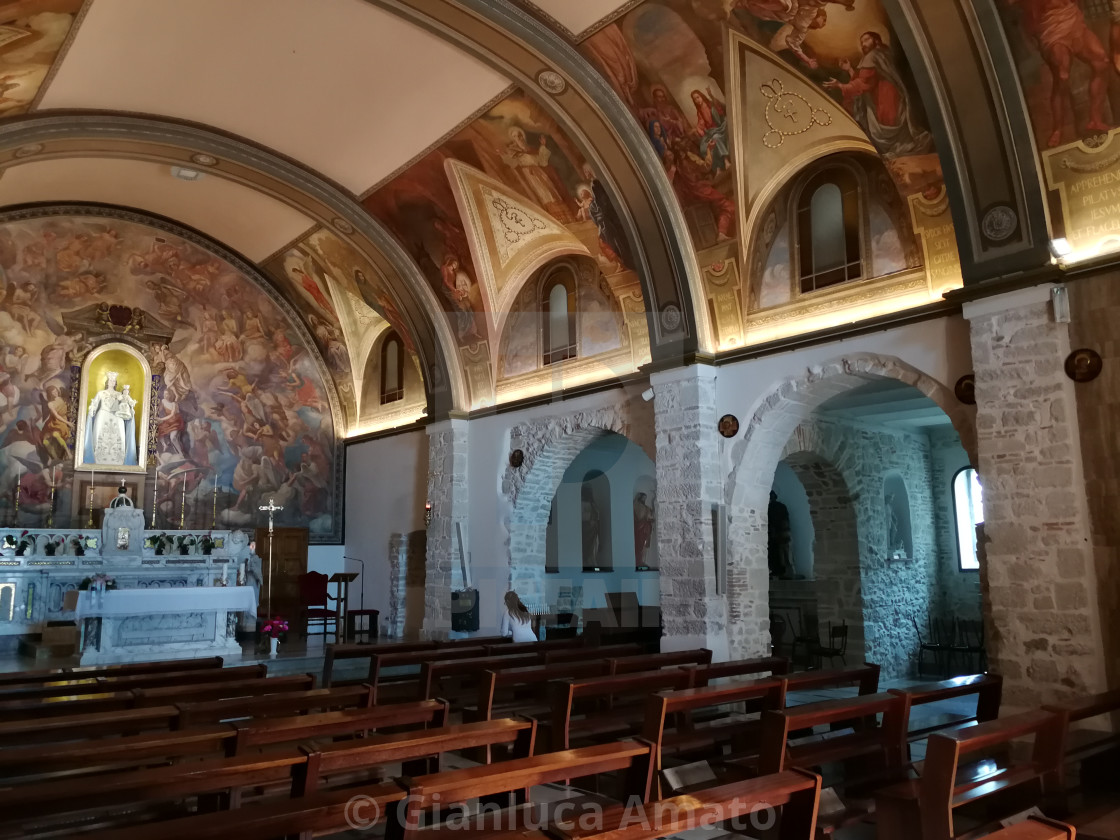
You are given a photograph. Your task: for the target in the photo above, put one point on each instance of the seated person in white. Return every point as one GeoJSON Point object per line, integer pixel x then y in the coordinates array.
{"type": "Point", "coordinates": [516, 620]}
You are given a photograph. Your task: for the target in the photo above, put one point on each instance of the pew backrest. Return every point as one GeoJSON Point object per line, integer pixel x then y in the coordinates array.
{"type": "Point", "coordinates": [653, 661]}
{"type": "Point", "coordinates": [702, 675]}
{"type": "Point", "coordinates": [866, 678]}
{"type": "Point", "coordinates": [988, 689]}
{"type": "Point", "coordinates": [204, 691]}
{"type": "Point", "coordinates": [341, 652]}
{"type": "Point", "coordinates": [433, 672]}
{"type": "Point", "coordinates": [280, 704]}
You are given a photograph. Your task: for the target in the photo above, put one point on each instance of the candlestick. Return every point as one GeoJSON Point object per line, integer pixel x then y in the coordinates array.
{"type": "Point", "coordinates": [50, 516]}
{"type": "Point", "coordinates": [19, 482]}
{"type": "Point", "coordinates": [89, 523]}
{"type": "Point", "coordinates": [183, 505]}
{"type": "Point", "coordinates": [214, 513]}
{"type": "Point", "coordinates": [225, 574]}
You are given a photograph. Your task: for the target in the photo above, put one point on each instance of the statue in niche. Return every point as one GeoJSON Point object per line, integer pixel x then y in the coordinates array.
{"type": "Point", "coordinates": [643, 528]}
{"type": "Point", "coordinates": [896, 542]}
{"type": "Point", "coordinates": [111, 426]}
{"type": "Point", "coordinates": [590, 519]}
{"type": "Point", "coordinates": [778, 538]}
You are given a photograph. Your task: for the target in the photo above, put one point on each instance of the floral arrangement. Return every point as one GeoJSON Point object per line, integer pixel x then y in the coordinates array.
{"type": "Point", "coordinates": [76, 544]}
{"type": "Point", "coordinates": [185, 542]}
{"type": "Point", "coordinates": [108, 581]}
{"type": "Point", "coordinates": [206, 542]}
{"type": "Point", "coordinates": [53, 545]}
{"type": "Point", "coordinates": [9, 541]}
{"type": "Point", "coordinates": [160, 543]}
{"type": "Point", "coordinates": [275, 626]}
{"type": "Point", "coordinates": [24, 543]}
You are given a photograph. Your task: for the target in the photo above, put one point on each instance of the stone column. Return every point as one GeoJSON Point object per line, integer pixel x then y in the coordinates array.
{"type": "Point", "coordinates": [1038, 581]}
{"type": "Point", "coordinates": [689, 487]}
{"type": "Point", "coordinates": [450, 500]}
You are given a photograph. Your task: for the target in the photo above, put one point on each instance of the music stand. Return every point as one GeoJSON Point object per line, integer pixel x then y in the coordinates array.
{"type": "Point", "coordinates": [342, 580]}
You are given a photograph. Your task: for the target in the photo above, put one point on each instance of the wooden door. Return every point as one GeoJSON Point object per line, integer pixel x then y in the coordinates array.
{"type": "Point", "coordinates": [289, 561]}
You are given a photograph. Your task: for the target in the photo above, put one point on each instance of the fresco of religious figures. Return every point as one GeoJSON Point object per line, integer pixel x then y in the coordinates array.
{"type": "Point", "coordinates": [518, 144]}
{"type": "Point", "coordinates": [29, 45]}
{"type": "Point", "coordinates": [242, 413]}
{"type": "Point", "coordinates": [666, 60]}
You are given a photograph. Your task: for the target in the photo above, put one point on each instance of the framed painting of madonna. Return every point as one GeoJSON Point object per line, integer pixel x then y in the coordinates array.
{"type": "Point", "coordinates": [112, 433]}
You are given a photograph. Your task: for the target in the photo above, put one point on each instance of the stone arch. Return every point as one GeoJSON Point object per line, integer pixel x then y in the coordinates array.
{"type": "Point", "coordinates": [754, 459]}
{"type": "Point", "coordinates": [837, 573]}
{"type": "Point", "coordinates": [548, 445]}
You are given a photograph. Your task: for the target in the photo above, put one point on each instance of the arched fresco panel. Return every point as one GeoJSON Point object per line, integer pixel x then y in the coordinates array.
{"type": "Point", "coordinates": [241, 413]}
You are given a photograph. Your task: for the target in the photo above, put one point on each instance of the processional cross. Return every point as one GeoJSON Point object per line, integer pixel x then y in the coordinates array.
{"type": "Point", "coordinates": [271, 507]}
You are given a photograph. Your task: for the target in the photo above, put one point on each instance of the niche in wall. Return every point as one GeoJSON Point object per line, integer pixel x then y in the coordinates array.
{"type": "Point", "coordinates": [595, 516]}
{"type": "Point", "coordinates": [896, 521]}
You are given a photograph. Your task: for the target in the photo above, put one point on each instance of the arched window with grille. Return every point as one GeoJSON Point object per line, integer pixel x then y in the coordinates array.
{"type": "Point", "coordinates": [829, 232]}
{"type": "Point", "coordinates": [558, 318]}
{"type": "Point", "coordinates": [392, 369]}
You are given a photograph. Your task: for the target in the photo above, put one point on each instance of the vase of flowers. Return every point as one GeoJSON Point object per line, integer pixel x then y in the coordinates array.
{"type": "Point", "coordinates": [160, 543]}
{"type": "Point", "coordinates": [52, 545]}
{"type": "Point", "coordinates": [206, 543]}
{"type": "Point", "coordinates": [273, 627]}
{"type": "Point", "coordinates": [79, 550]}
{"type": "Point", "coordinates": [185, 543]}
{"type": "Point", "coordinates": [24, 544]}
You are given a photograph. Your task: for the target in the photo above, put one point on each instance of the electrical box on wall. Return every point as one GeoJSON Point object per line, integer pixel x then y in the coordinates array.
{"type": "Point", "coordinates": [464, 611]}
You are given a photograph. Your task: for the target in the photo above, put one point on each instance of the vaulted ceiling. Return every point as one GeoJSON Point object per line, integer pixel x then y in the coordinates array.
{"type": "Point", "coordinates": [315, 135]}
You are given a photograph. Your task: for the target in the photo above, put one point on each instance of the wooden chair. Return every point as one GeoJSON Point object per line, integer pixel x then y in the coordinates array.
{"type": "Point", "coordinates": [968, 644]}
{"type": "Point", "coordinates": [933, 643]}
{"type": "Point", "coordinates": [836, 646]}
{"type": "Point", "coordinates": [314, 602]}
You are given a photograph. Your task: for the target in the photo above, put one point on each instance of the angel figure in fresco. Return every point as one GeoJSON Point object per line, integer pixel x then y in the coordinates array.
{"type": "Point", "coordinates": [711, 125]}
{"type": "Point", "coordinates": [457, 288]}
{"type": "Point", "coordinates": [1059, 28]}
{"type": "Point", "coordinates": [797, 18]}
{"type": "Point", "coordinates": [876, 96]}
{"type": "Point", "coordinates": [7, 83]}
{"type": "Point", "coordinates": [535, 174]}
{"type": "Point", "coordinates": [56, 428]}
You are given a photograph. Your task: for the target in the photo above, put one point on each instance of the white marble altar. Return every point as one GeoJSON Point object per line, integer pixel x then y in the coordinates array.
{"type": "Point", "coordinates": [126, 625]}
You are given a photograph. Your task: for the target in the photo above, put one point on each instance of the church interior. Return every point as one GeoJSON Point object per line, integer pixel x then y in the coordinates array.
{"type": "Point", "coordinates": [674, 418]}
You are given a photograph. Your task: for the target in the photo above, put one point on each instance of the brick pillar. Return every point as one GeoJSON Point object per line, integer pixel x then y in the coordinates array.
{"type": "Point", "coordinates": [1038, 581]}
{"type": "Point", "coordinates": [450, 500]}
{"type": "Point", "coordinates": [689, 485]}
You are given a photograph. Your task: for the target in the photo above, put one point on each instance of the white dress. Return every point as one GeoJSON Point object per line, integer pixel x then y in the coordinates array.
{"type": "Point", "coordinates": [522, 630]}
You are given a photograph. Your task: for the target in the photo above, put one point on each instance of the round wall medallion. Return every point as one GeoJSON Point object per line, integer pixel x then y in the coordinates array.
{"type": "Point", "coordinates": [516, 458]}
{"type": "Point", "coordinates": [999, 223]}
{"type": "Point", "coordinates": [1084, 365]}
{"type": "Point", "coordinates": [671, 317]}
{"type": "Point", "coordinates": [28, 150]}
{"type": "Point", "coordinates": [552, 82]}
{"type": "Point", "coordinates": [729, 425]}
{"type": "Point", "coordinates": [343, 226]}
{"type": "Point", "coordinates": [204, 160]}
{"type": "Point", "coordinates": [965, 389]}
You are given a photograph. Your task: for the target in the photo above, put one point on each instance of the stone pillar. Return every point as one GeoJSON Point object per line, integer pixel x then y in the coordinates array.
{"type": "Point", "coordinates": [450, 500]}
{"type": "Point", "coordinates": [1039, 585]}
{"type": "Point", "coordinates": [689, 487]}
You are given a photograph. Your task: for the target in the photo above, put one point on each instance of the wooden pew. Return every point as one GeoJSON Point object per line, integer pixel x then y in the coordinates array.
{"type": "Point", "coordinates": [565, 696]}
{"type": "Point", "coordinates": [41, 707]}
{"type": "Point", "coordinates": [433, 672]}
{"type": "Point", "coordinates": [344, 652]}
{"type": "Point", "coordinates": [797, 792]}
{"type": "Point", "coordinates": [532, 683]}
{"type": "Point", "coordinates": [988, 689]}
{"type": "Point", "coordinates": [582, 654]}
{"type": "Point", "coordinates": [926, 808]}
{"type": "Point", "coordinates": [98, 725]}
{"type": "Point", "coordinates": [549, 645]}
{"type": "Point", "coordinates": [280, 704]}
{"type": "Point", "coordinates": [865, 678]}
{"type": "Point", "coordinates": [1035, 828]}
{"type": "Point", "coordinates": [1098, 752]}
{"type": "Point", "coordinates": [407, 747]}
{"type": "Point", "coordinates": [702, 675]}
{"type": "Point", "coordinates": [87, 671]}
{"type": "Point", "coordinates": [653, 661]}
{"type": "Point", "coordinates": [666, 707]}
{"type": "Point", "coordinates": [404, 683]}
{"type": "Point", "coordinates": [127, 682]}
{"type": "Point", "coordinates": [264, 732]}
{"type": "Point", "coordinates": [509, 782]}
{"type": "Point", "coordinates": [203, 691]}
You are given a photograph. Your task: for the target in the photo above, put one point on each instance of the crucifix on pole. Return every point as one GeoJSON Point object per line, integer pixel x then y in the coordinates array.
{"type": "Point", "coordinates": [271, 507]}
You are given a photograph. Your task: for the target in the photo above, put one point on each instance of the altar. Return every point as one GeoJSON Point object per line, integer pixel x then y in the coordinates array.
{"type": "Point", "coordinates": [127, 625]}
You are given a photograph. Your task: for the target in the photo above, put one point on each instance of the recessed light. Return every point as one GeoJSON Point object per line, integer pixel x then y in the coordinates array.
{"type": "Point", "coordinates": [185, 174]}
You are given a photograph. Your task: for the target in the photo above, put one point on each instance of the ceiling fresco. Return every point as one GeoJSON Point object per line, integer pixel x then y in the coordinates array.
{"type": "Point", "coordinates": [29, 44]}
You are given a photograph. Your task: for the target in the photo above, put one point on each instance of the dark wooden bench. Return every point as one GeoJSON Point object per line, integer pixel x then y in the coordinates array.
{"type": "Point", "coordinates": [11, 710]}
{"type": "Point", "coordinates": [87, 671]}
{"type": "Point", "coordinates": [988, 689]}
{"type": "Point", "coordinates": [404, 678]}
{"type": "Point", "coordinates": [581, 654]}
{"type": "Point", "coordinates": [526, 689]}
{"type": "Point", "coordinates": [547, 646]}
{"type": "Point", "coordinates": [865, 678]}
{"type": "Point", "coordinates": [257, 733]}
{"type": "Point", "coordinates": [926, 808]}
{"type": "Point", "coordinates": [203, 691]}
{"type": "Point", "coordinates": [1035, 828]}
{"type": "Point", "coordinates": [1098, 751]}
{"type": "Point", "coordinates": [704, 674]}
{"type": "Point", "coordinates": [279, 704]}
{"type": "Point", "coordinates": [796, 792]}
{"type": "Point", "coordinates": [97, 725]}
{"type": "Point", "coordinates": [606, 719]}
{"type": "Point", "coordinates": [669, 724]}
{"type": "Point", "coordinates": [653, 661]}
{"type": "Point", "coordinates": [433, 672]}
{"type": "Point", "coordinates": [345, 652]}
{"type": "Point", "coordinates": [507, 784]}
{"type": "Point", "coordinates": [126, 682]}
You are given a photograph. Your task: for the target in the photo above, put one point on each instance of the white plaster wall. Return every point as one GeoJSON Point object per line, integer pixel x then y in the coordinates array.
{"type": "Point", "coordinates": [386, 482]}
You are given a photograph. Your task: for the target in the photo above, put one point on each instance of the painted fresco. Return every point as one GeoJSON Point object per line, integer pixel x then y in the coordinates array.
{"type": "Point", "coordinates": [666, 58]}
{"type": "Point", "coordinates": [1068, 55]}
{"type": "Point", "coordinates": [242, 414]}
{"type": "Point", "coordinates": [28, 47]}
{"type": "Point", "coordinates": [518, 144]}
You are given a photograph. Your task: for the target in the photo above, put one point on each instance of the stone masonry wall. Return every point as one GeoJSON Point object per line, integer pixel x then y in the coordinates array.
{"type": "Point", "coordinates": [1095, 307]}
{"type": "Point", "coordinates": [449, 495]}
{"type": "Point", "coordinates": [958, 593]}
{"type": "Point", "coordinates": [1038, 581]}
{"type": "Point", "coordinates": [894, 593]}
{"type": "Point", "coordinates": [407, 568]}
{"type": "Point", "coordinates": [689, 485]}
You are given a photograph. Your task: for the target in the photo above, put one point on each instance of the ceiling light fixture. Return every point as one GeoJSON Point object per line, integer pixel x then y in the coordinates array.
{"type": "Point", "coordinates": [1060, 248]}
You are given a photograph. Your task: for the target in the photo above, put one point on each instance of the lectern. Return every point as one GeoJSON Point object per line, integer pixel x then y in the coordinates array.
{"type": "Point", "coordinates": [342, 580]}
